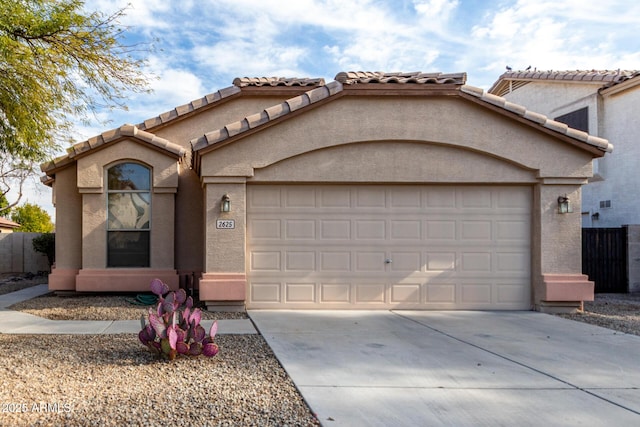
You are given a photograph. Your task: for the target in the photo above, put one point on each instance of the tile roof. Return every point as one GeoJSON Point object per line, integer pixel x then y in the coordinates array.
{"type": "Point", "coordinates": [181, 110]}
{"type": "Point", "coordinates": [355, 77]}
{"type": "Point", "coordinates": [266, 115]}
{"type": "Point", "coordinates": [212, 98]}
{"type": "Point", "coordinates": [217, 137]}
{"type": "Point", "coordinates": [111, 136]}
{"type": "Point", "coordinates": [600, 143]}
{"type": "Point", "coordinates": [276, 81]}
{"type": "Point", "coordinates": [8, 224]}
{"type": "Point", "coordinates": [606, 78]}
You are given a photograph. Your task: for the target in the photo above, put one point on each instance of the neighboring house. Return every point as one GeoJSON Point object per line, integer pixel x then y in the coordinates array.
{"type": "Point", "coordinates": [7, 226]}
{"type": "Point", "coordinates": [603, 103]}
{"type": "Point", "coordinates": [372, 191]}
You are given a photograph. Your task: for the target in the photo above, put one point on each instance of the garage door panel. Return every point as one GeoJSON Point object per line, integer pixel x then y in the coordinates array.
{"type": "Point", "coordinates": [367, 293]}
{"type": "Point", "coordinates": [370, 229]}
{"type": "Point", "coordinates": [333, 197]}
{"type": "Point", "coordinates": [406, 230]}
{"type": "Point", "coordinates": [299, 197]}
{"type": "Point", "coordinates": [475, 230]}
{"type": "Point", "coordinates": [335, 261]}
{"type": "Point", "coordinates": [300, 229]}
{"type": "Point", "coordinates": [265, 292]}
{"type": "Point", "coordinates": [335, 293]}
{"type": "Point", "coordinates": [475, 198]}
{"type": "Point", "coordinates": [370, 262]}
{"type": "Point", "coordinates": [440, 230]}
{"type": "Point", "coordinates": [449, 247]}
{"type": "Point", "coordinates": [441, 293]}
{"type": "Point", "coordinates": [513, 230]}
{"type": "Point", "coordinates": [475, 293]}
{"type": "Point", "coordinates": [300, 261]}
{"type": "Point", "coordinates": [335, 229]}
{"type": "Point", "coordinates": [300, 292]}
{"type": "Point", "coordinates": [440, 261]}
{"type": "Point", "coordinates": [406, 262]}
{"type": "Point", "coordinates": [438, 198]}
{"type": "Point", "coordinates": [371, 198]}
{"type": "Point", "coordinates": [406, 293]}
{"type": "Point", "coordinates": [265, 229]}
{"type": "Point", "coordinates": [265, 261]}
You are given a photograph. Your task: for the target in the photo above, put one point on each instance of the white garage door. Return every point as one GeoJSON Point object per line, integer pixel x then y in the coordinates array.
{"type": "Point", "coordinates": [366, 247]}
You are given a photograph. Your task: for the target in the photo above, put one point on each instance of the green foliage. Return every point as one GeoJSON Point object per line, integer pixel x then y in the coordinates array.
{"type": "Point", "coordinates": [46, 244]}
{"type": "Point", "coordinates": [174, 327]}
{"type": "Point", "coordinates": [32, 218]}
{"type": "Point", "coordinates": [5, 210]}
{"type": "Point", "coordinates": [57, 63]}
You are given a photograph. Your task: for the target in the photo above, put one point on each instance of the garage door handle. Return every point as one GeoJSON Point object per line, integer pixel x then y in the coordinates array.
{"type": "Point", "coordinates": [388, 261]}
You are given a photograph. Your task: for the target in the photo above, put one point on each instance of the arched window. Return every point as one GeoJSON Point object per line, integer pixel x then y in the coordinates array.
{"type": "Point", "coordinates": [128, 215]}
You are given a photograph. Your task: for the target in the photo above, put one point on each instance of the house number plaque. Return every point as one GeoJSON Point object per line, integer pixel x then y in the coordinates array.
{"type": "Point", "coordinates": [226, 224]}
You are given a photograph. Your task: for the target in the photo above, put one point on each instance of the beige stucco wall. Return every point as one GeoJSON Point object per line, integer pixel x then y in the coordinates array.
{"type": "Point", "coordinates": [91, 182]}
{"type": "Point", "coordinates": [224, 248]}
{"type": "Point", "coordinates": [190, 223]}
{"type": "Point", "coordinates": [393, 161]}
{"type": "Point", "coordinates": [228, 111]}
{"type": "Point", "coordinates": [391, 140]}
{"type": "Point", "coordinates": [68, 204]}
{"type": "Point", "coordinates": [453, 122]}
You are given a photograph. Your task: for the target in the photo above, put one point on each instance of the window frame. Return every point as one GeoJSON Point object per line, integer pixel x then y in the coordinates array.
{"type": "Point", "coordinates": [146, 226]}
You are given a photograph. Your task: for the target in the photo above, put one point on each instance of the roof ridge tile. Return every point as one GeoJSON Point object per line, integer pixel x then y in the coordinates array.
{"type": "Point", "coordinates": [415, 77]}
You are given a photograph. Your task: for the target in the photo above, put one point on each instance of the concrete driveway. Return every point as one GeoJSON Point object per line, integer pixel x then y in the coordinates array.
{"type": "Point", "coordinates": [426, 368]}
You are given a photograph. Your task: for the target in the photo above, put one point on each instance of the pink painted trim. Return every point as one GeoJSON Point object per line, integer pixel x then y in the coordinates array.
{"type": "Point", "coordinates": [124, 280]}
{"type": "Point", "coordinates": [223, 287]}
{"type": "Point", "coordinates": [63, 279]}
{"type": "Point", "coordinates": [567, 287]}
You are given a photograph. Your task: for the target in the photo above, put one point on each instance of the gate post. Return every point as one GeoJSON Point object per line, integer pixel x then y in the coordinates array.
{"type": "Point", "coordinates": [633, 257]}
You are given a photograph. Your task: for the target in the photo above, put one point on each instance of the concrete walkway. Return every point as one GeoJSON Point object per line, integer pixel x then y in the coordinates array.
{"type": "Point", "coordinates": [15, 322]}
{"type": "Point", "coordinates": [424, 368]}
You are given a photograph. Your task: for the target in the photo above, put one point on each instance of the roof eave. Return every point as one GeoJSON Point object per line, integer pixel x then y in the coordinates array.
{"type": "Point", "coordinates": [598, 146]}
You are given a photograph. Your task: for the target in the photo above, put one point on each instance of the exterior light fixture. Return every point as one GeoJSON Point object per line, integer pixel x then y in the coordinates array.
{"type": "Point", "coordinates": [564, 205]}
{"type": "Point", "coordinates": [595, 216]}
{"type": "Point", "coordinates": [225, 203]}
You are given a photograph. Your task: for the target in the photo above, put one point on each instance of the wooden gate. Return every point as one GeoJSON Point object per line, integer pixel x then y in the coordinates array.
{"type": "Point", "coordinates": [604, 258]}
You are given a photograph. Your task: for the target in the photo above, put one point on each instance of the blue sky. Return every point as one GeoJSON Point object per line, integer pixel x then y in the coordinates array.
{"type": "Point", "coordinates": [202, 45]}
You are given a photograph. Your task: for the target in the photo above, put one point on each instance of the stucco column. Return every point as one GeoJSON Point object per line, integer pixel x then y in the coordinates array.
{"type": "Point", "coordinates": [223, 284]}
{"type": "Point", "coordinates": [557, 251]}
{"type": "Point", "coordinates": [68, 203]}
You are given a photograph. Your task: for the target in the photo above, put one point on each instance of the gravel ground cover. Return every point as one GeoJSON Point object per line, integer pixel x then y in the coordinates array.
{"type": "Point", "coordinates": [111, 380]}
{"type": "Point", "coordinates": [99, 307]}
{"type": "Point", "coordinates": [11, 282]}
{"type": "Point", "coordinates": [620, 312]}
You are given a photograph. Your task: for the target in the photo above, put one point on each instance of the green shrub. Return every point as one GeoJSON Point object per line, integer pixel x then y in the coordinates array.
{"type": "Point", "coordinates": [46, 244]}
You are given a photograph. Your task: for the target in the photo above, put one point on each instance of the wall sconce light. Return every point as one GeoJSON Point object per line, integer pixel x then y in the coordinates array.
{"type": "Point", "coordinates": [595, 216]}
{"type": "Point", "coordinates": [225, 203]}
{"type": "Point", "coordinates": [564, 205]}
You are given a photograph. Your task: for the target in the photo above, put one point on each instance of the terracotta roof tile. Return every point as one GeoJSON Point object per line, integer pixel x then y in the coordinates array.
{"type": "Point", "coordinates": [7, 223]}
{"type": "Point", "coordinates": [276, 81]}
{"type": "Point", "coordinates": [417, 77]}
{"type": "Point", "coordinates": [279, 110]}
{"type": "Point", "coordinates": [608, 78]}
{"type": "Point", "coordinates": [181, 110]}
{"type": "Point", "coordinates": [110, 136]}
{"type": "Point", "coordinates": [561, 128]}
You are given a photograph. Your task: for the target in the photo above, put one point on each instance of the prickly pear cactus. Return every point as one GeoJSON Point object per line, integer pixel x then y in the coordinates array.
{"type": "Point", "coordinates": [174, 326]}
